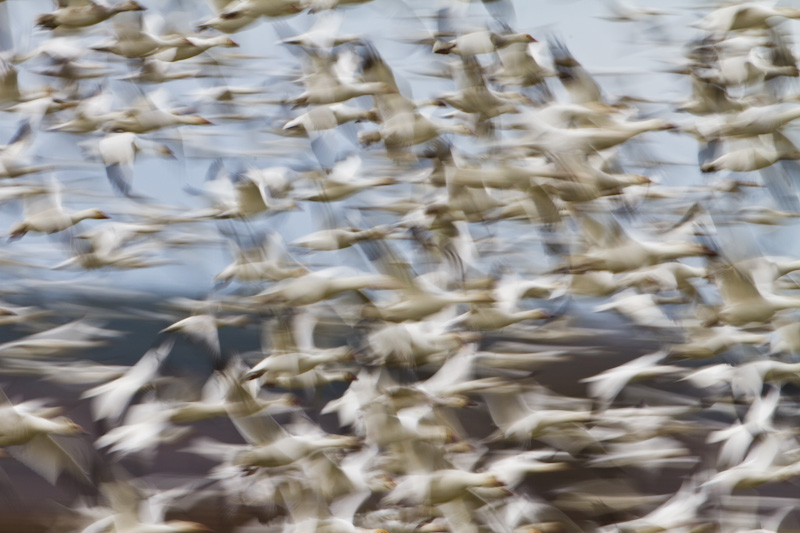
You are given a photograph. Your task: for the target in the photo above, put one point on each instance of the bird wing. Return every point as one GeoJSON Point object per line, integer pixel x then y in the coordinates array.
{"type": "Point", "coordinates": [128, 26]}
{"type": "Point", "coordinates": [259, 429]}
{"type": "Point", "coordinates": [20, 142]}
{"type": "Point", "coordinates": [375, 69]}
{"type": "Point", "coordinates": [42, 203]}
{"type": "Point", "coordinates": [734, 285]}
{"type": "Point", "coordinates": [118, 151]}
{"type": "Point", "coordinates": [46, 457]}
{"type": "Point", "coordinates": [113, 397]}
{"type": "Point", "coordinates": [250, 197]}
{"type": "Point", "coordinates": [602, 235]}
{"type": "Point", "coordinates": [456, 369]}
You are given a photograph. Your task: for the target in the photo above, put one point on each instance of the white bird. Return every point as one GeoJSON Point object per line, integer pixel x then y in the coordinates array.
{"type": "Point", "coordinates": [743, 16]}
{"type": "Point", "coordinates": [110, 399]}
{"type": "Point", "coordinates": [44, 214]}
{"type": "Point", "coordinates": [608, 384]}
{"type": "Point", "coordinates": [29, 429]}
{"type": "Point", "coordinates": [79, 14]}
{"type": "Point", "coordinates": [118, 152]}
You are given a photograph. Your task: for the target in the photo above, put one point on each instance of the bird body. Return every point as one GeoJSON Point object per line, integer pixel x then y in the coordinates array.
{"type": "Point", "coordinates": [81, 16]}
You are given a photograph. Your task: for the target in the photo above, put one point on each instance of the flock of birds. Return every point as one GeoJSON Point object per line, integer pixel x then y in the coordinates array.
{"type": "Point", "coordinates": [505, 312]}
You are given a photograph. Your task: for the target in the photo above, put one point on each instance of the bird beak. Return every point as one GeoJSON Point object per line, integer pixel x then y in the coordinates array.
{"type": "Point", "coordinates": [103, 216]}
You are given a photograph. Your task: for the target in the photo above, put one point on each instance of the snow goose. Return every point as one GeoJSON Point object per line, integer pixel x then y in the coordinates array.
{"type": "Point", "coordinates": [488, 318]}
{"type": "Point", "coordinates": [519, 67]}
{"type": "Point", "coordinates": [320, 285]}
{"type": "Point", "coordinates": [132, 41]}
{"type": "Point", "coordinates": [652, 453]}
{"type": "Point", "coordinates": [225, 395]}
{"type": "Point", "coordinates": [402, 125]}
{"type": "Point", "coordinates": [156, 71]}
{"type": "Point", "coordinates": [325, 117]}
{"type": "Point", "coordinates": [91, 114]}
{"type": "Point", "coordinates": [309, 512]}
{"type": "Point", "coordinates": [431, 480]}
{"type": "Point", "coordinates": [329, 78]}
{"type": "Point", "coordinates": [292, 350]}
{"type": "Point", "coordinates": [265, 262]}
{"type": "Point", "coordinates": [455, 379]}
{"type": "Point", "coordinates": [757, 120]}
{"type": "Point", "coordinates": [245, 194]}
{"type": "Point", "coordinates": [624, 12]}
{"type": "Point", "coordinates": [82, 13]}
{"type": "Point", "coordinates": [134, 511]}
{"type": "Point", "coordinates": [344, 181]}
{"type": "Point", "coordinates": [191, 46]}
{"type": "Point", "coordinates": [110, 399]}
{"type": "Point", "coordinates": [140, 120]}
{"type": "Point", "coordinates": [44, 214]}
{"type": "Point", "coordinates": [703, 343]}
{"type": "Point", "coordinates": [29, 428]}
{"type": "Point", "coordinates": [518, 421]}
{"type": "Point", "coordinates": [614, 250]}
{"type": "Point", "coordinates": [108, 247]}
{"type": "Point", "coordinates": [308, 381]}
{"type": "Point", "coordinates": [265, 8]}
{"type": "Point", "coordinates": [11, 161]}
{"type": "Point", "coordinates": [474, 96]}
{"type": "Point", "coordinates": [738, 437]}
{"type": "Point", "coordinates": [511, 469]}
{"type": "Point", "coordinates": [76, 372]}
{"type": "Point", "coordinates": [743, 302]}
{"type": "Point", "coordinates": [201, 328]}
{"type": "Point", "coordinates": [709, 98]}
{"type": "Point", "coordinates": [118, 152]}
{"type": "Point", "coordinates": [228, 20]}
{"type": "Point", "coordinates": [406, 129]}
{"type": "Point", "coordinates": [416, 343]}
{"type": "Point", "coordinates": [608, 384]}
{"type": "Point", "coordinates": [754, 154]}
{"type": "Point", "coordinates": [146, 426]}
{"type": "Point", "coordinates": [732, 71]}
{"type": "Point", "coordinates": [743, 16]}
{"type": "Point", "coordinates": [383, 428]}
{"type": "Point", "coordinates": [765, 463]}
{"type": "Point", "coordinates": [641, 309]}
{"type": "Point", "coordinates": [547, 139]}
{"type": "Point", "coordinates": [271, 445]}
{"type": "Point", "coordinates": [59, 340]}
{"type": "Point", "coordinates": [479, 42]}
{"type": "Point", "coordinates": [323, 35]}
{"type": "Point", "coordinates": [9, 86]}
{"type": "Point", "coordinates": [339, 238]}
{"type": "Point", "coordinates": [354, 473]}
{"type": "Point", "coordinates": [580, 85]}
{"type": "Point", "coordinates": [679, 511]}
{"type": "Point", "coordinates": [417, 302]}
